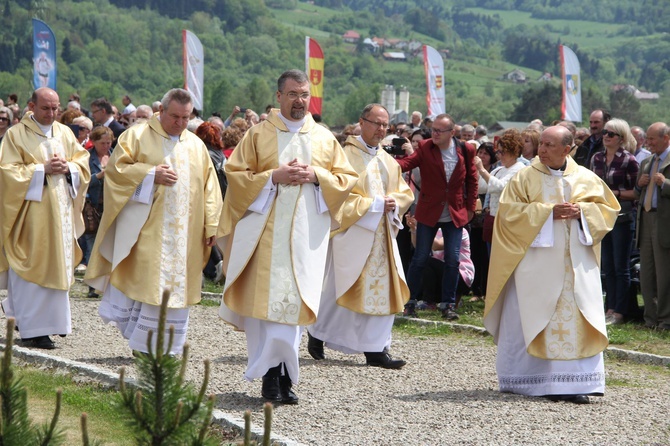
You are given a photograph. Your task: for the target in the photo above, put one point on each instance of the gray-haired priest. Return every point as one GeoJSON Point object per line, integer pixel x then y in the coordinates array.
{"type": "Point", "coordinates": [544, 304]}
{"type": "Point", "coordinates": [162, 209]}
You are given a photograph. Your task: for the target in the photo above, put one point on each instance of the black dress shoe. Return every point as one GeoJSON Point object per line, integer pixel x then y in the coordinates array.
{"type": "Point", "coordinates": [287, 395]}
{"type": "Point", "coordinates": [91, 293]}
{"type": "Point", "coordinates": [43, 342]}
{"type": "Point", "coordinates": [577, 399]}
{"type": "Point", "coordinates": [383, 360]}
{"type": "Point", "coordinates": [271, 389]}
{"type": "Point", "coordinates": [315, 347]}
{"type": "Point", "coordinates": [581, 399]}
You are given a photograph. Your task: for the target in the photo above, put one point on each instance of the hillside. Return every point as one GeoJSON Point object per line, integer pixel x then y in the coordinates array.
{"type": "Point", "coordinates": [112, 48]}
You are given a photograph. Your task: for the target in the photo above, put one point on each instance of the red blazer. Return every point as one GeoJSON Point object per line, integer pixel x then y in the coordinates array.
{"type": "Point", "coordinates": [435, 191]}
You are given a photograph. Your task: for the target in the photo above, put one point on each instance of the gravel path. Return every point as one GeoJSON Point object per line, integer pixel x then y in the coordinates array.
{"type": "Point", "coordinates": [447, 394]}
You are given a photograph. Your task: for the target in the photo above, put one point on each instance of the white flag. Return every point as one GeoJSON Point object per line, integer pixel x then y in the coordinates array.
{"type": "Point", "coordinates": [434, 68]}
{"type": "Point", "coordinates": [571, 107]}
{"type": "Point", "coordinates": [194, 67]}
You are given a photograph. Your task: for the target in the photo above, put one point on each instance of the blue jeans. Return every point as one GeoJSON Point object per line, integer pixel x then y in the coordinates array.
{"type": "Point", "coordinates": [616, 249]}
{"type": "Point", "coordinates": [424, 243]}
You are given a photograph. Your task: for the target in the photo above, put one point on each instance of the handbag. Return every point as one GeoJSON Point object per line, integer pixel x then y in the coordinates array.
{"type": "Point", "coordinates": [487, 232]}
{"type": "Point", "coordinates": [91, 218]}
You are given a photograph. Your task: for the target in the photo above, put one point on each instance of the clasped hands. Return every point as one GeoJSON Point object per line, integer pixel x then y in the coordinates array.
{"type": "Point", "coordinates": [294, 174]}
{"type": "Point", "coordinates": [658, 178]}
{"type": "Point", "coordinates": [165, 175]}
{"type": "Point", "coordinates": [56, 166]}
{"type": "Point", "coordinates": [566, 211]}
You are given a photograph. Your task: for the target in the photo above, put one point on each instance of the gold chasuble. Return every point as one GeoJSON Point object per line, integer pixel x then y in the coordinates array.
{"type": "Point", "coordinates": [39, 238]}
{"type": "Point", "coordinates": [557, 276]}
{"type": "Point", "coordinates": [144, 249]}
{"type": "Point", "coordinates": [274, 260]}
{"type": "Point", "coordinates": [368, 272]}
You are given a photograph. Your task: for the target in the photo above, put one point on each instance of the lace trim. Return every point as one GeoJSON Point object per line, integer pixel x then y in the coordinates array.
{"type": "Point", "coordinates": [515, 382]}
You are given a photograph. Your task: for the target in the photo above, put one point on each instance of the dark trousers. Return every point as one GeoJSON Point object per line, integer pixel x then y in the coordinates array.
{"type": "Point", "coordinates": [424, 242]}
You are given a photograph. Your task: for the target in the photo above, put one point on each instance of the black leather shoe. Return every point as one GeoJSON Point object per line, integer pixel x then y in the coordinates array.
{"type": "Point", "coordinates": [287, 395]}
{"type": "Point", "coordinates": [91, 293]}
{"type": "Point", "coordinates": [577, 399]}
{"type": "Point", "coordinates": [271, 389]}
{"type": "Point", "coordinates": [409, 311]}
{"type": "Point", "coordinates": [315, 347]}
{"type": "Point", "coordinates": [44, 342]}
{"type": "Point", "coordinates": [383, 360]}
{"type": "Point", "coordinates": [581, 399]}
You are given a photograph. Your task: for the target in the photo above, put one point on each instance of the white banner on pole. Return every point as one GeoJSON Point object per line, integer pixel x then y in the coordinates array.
{"type": "Point", "coordinates": [194, 67]}
{"type": "Point", "coordinates": [433, 65]}
{"type": "Point", "coordinates": [571, 107]}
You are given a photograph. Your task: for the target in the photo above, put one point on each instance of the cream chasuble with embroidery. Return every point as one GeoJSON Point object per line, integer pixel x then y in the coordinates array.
{"type": "Point", "coordinates": [39, 236]}
{"type": "Point", "coordinates": [144, 249]}
{"type": "Point", "coordinates": [274, 261]}
{"type": "Point", "coordinates": [557, 278]}
{"type": "Point", "coordinates": [369, 278]}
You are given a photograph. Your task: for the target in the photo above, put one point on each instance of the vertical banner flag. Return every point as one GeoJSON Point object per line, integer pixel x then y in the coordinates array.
{"type": "Point", "coordinates": [571, 107]}
{"type": "Point", "coordinates": [433, 65]}
{"type": "Point", "coordinates": [314, 69]}
{"type": "Point", "coordinates": [194, 67]}
{"type": "Point", "coordinates": [44, 56]}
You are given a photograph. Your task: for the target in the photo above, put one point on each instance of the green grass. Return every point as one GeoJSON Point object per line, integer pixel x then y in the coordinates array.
{"type": "Point", "coordinates": [104, 422]}
{"type": "Point", "coordinates": [630, 336]}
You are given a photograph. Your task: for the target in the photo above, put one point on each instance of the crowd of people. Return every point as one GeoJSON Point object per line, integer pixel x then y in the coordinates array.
{"type": "Point", "coordinates": [335, 231]}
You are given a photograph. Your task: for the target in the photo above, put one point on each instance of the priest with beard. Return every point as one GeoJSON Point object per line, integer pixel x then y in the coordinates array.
{"type": "Point", "coordinates": [544, 304]}
{"type": "Point", "coordinates": [287, 179]}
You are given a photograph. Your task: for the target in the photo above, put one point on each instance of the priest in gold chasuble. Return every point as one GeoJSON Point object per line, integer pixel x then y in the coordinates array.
{"type": "Point", "coordinates": [161, 214]}
{"type": "Point", "coordinates": [44, 175]}
{"type": "Point", "coordinates": [287, 179]}
{"type": "Point", "coordinates": [365, 284]}
{"type": "Point", "coordinates": [544, 304]}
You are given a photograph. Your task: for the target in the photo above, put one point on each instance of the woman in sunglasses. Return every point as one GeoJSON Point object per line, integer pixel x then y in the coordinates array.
{"type": "Point", "coordinates": [618, 168]}
{"type": "Point", "coordinates": [5, 121]}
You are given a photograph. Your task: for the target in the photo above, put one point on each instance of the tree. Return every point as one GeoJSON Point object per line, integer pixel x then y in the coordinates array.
{"type": "Point", "coordinates": [539, 101]}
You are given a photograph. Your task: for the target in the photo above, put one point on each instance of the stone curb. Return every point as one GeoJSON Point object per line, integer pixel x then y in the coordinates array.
{"type": "Point", "coordinates": [111, 379]}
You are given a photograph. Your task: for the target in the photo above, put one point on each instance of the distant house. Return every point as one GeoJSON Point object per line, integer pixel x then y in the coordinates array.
{"type": "Point", "coordinates": [370, 45]}
{"type": "Point", "coordinates": [396, 56]}
{"type": "Point", "coordinates": [516, 75]}
{"type": "Point", "coordinates": [383, 43]}
{"type": "Point", "coordinates": [546, 77]}
{"type": "Point", "coordinates": [640, 95]}
{"type": "Point", "coordinates": [351, 36]}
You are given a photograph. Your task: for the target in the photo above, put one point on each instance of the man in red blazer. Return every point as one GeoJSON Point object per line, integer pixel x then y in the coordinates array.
{"type": "Point", "coordinates": [446, 201]}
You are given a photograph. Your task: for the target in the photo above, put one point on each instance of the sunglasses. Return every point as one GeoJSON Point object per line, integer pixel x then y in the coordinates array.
{"type": "Point", "coordinates": [610, 134]}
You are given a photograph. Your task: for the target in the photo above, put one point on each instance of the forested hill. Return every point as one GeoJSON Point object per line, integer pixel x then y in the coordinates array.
{"type": "Point", "coordinates": [113, 47]}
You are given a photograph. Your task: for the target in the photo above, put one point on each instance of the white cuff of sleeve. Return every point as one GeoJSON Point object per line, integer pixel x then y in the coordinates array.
{"type": "Point", "coordinates": [370, 220]}
{"type": "Point", "coordinates": [263, 202]}
{"type": "Point", "coordinates": [36, 184]}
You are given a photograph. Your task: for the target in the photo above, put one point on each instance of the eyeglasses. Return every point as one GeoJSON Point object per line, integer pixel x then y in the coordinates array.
{"type": "Point", "coordinates": [3, 119]}
{"type": "Point", "coordinates": [95, 111]}
{"type": "Point", "coordinates": [292, 95]}
{"type": "Point", "coordinates": [610, 134]}
{"type": "Point", "coordinates": [438, 131]}
{"type": "Point", "coordinates": [383, 125]}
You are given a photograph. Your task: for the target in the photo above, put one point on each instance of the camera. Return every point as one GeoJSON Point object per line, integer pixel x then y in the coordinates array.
{"type": "Point", "coordinates": [243, 110]}
{"type": "Point", "coordinates": [395, 148]}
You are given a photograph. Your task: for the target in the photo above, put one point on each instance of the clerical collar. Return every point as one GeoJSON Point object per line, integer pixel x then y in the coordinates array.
{"type": "Point", "coordinates": [372, 150]}
{"type": "Point", "coordinates": [293, 126]}
{"type": "Point", "coordinates": [46, 129]}
{"type": "Point", "coordinates": [560, 169]}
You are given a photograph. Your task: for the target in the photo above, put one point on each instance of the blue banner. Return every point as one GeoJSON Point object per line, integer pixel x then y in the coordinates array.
{"type": "Point", "coordinates": [44, 56]}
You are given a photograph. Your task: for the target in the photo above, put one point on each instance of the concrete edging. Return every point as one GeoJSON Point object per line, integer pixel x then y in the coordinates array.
{"type": "Point", "coordinates": [111, 379]}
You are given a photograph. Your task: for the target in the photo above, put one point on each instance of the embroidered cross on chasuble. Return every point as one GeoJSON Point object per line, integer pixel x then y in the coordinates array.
{"type": "Point", "coordinates": [563, 337]}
